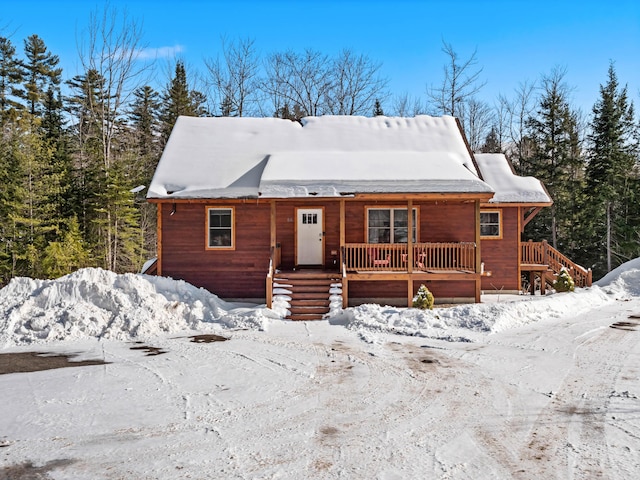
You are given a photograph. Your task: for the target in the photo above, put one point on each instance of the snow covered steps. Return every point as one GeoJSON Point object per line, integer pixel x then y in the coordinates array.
{"type": "Point", "coordinates": [309, 291]}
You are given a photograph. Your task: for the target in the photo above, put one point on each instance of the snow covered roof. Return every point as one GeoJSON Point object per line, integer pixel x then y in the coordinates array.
{"type": "Point", "coordinates": [509, 188]}
{"type": "Point", "coordinates": [323, 156]}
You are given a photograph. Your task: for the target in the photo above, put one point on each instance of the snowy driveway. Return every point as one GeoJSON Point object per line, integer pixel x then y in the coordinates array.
{"type": "Point", "coordinates": [553, 399]}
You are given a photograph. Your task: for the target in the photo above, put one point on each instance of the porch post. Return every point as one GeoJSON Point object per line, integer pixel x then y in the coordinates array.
{"type": "Point", "coordinates": [272, 253]}
{"type": "Point", "coordinates": [409, 252]}
{"type": "Point", "coordinates": [410, 236]}
{"type": "Point", "coordinates": [272, 227]}
{"type": "Point", "coordinates": [478, 257]}
{"type": "Point", "coordinates": [345, 280]}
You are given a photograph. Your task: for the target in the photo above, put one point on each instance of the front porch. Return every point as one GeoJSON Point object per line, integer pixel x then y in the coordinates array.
{"type": "Point", "coordinates": [392, 262]}
{"type": "Point", "coordinates": [348, 236]}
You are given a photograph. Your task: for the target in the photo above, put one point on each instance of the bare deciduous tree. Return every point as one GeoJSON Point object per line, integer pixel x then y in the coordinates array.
{"type": "Point", "coordinates": [460, 83]}
{"type": "Point", "coordinates": [501, 120]}
{"type": "Point", "coordinates": [110, 49]}
{"type": "Point", "coordinates": [476, 117]}
{"type": "Point", "coordinates": [519, 110]}
{"type": "Point", "coordinates": [234, 78]}
{"type": "Point", "coordinates": [356, 86]}
{"type": "Point", "coordinates": [299, 80]}
{"type": "Point", "coordinates": [404, 105]}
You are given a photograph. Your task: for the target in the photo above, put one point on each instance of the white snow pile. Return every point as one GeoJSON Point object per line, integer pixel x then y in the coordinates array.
{"type": "Point", "coordinates": [461, 323]}
{"type": "Point", "coordinates": [95, 303]}
{"type": "Point", "coordinates": [625, 278]}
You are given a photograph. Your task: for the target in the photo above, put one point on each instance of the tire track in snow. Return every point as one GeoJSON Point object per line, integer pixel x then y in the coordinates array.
{"type": "Point", "coordinates": [576, 446]}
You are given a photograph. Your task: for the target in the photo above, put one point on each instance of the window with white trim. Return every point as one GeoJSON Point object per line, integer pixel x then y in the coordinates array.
{"type": "Point", "coordinates": [389, 225]}
{"type": "Point", "coordinates": [490, 224]}
{"type": "Point", "coordinates": [219, 227]}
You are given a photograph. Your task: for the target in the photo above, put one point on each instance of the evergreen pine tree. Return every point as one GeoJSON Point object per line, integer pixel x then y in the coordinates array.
{"type": "Point", "coordinates": [491, 143]}
{"type": "Point", "coordinates": [65, 256]}
{"type": "Point", "coordinates": [117, 223]}
{"type": "Point", "coordinates": [40, 73]}
{"type": "Point", "coordinates": [32, 213]}
{"type": "Point", "coordinates": [144, 114]}
{"type": "Point", "coordinates": [178, 100]}
{"type": "Point", "coordinates": [143, 159]}
{"type": "Point", "coordinates": [10, 78]}
{"type": "Point", "coordinates": [611, 179]}
{"type": "Point", "coordinates": [85, 145]}
{"type": "Point", "coordinates": [226, 108]}
{"type": "Point", "coordinates": [11, 194]}
{"type": "Point", "coordinates": [377, 109]}
{"type": "Point", "coordinates": [556, 161]}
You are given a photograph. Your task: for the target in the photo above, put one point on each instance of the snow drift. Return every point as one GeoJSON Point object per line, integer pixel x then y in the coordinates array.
{"type": "Point", "coordinates": [94, 303]}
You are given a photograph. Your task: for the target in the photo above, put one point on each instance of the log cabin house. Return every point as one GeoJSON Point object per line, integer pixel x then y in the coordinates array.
{"type": "Point", "coordinates": [372, 206]}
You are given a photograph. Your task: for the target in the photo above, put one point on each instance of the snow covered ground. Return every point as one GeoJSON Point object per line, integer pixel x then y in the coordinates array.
{"type": "Point", "coordinates": [541, 387]}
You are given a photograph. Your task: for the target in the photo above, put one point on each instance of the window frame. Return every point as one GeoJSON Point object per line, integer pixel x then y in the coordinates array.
{"type": "Point", "coordinates": [232, 227]}
{"type": "Point", "coordinates": [491, 237]}
{"type": "Point", "coordinates": [391, 208]}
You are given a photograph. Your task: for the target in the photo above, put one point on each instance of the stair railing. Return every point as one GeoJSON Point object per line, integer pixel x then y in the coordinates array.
{"type": "Point", "coordinates": [541, 253]}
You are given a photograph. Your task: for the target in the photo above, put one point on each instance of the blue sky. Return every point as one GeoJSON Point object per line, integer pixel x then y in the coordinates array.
{"type": "Point", "coordinates": [516, 41]}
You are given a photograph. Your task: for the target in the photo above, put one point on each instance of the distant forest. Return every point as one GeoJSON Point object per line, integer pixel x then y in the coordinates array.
{"type": "Point", "coordinates": [76, 152]}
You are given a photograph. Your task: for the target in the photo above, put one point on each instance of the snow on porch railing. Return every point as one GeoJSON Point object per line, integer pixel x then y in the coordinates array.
{"type": "Point", "coordinates": [274, 263]}
{"type": "Point", "coordinates": [541, 253]}
{"type": "Point", "coordinates": [430, 256]}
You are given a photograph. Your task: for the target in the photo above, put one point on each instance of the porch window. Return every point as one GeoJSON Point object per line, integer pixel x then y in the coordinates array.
{"type": "Point", "coordinates": [389, 225]}
{"type": "Point", "coordinates": [491, 224]}
{"type": "Point", "coordinates": [220, 228]}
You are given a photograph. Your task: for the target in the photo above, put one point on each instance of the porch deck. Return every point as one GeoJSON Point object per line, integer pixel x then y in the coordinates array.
{"type": "Point", "coordinates": [446, 261]}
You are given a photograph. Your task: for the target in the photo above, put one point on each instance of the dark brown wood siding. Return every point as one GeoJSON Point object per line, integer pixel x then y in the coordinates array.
{"type": "Point", "coordinates": [438, 222]}
{"type": "Point", "coordinates": [241, 272]}
{"type": "Point", "coordinates": [398, 289]}
{"type": "Point", "coordinates": [228, 273]}
{"type": "Point", "coordinates": [500, 257]}
{"type": "Point", "coordinates": [448, 222]}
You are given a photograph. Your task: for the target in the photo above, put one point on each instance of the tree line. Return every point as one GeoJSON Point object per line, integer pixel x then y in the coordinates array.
{"type": "Point", "coordinates": [76, 153]}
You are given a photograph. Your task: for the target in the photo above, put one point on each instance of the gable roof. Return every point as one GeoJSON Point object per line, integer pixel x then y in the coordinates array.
{"type": "Point", "coordinates": [321, 156]}
{"type": "Point", "coordinates": [498, 172]}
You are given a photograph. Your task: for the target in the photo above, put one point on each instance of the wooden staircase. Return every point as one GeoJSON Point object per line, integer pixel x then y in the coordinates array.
{"type": "Point", "coordinates": [540, 258]}
{"type": "Point", "coordinates": [310, 292]}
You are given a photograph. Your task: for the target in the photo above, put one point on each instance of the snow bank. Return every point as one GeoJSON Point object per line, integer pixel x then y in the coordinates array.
{"type": "Point", "coordinates": [458, 323]}
{"type": "Point", "coordinates": [95, 303]}
{"type": "Point", "coordinates": [625, 278]}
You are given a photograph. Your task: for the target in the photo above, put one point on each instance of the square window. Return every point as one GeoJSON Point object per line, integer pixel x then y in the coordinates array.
{"type": "Point", "coordinates": [490, 224]}
{"type": "Point", "coordinates": [389, 225]}
{"type": "Point", "coordinates": [220, 228]}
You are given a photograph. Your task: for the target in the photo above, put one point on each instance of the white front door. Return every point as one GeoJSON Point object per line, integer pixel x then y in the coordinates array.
{"type": "Point", "coordinates": [309, 237]}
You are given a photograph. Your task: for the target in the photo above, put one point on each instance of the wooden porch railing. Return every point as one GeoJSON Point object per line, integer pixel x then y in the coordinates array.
{"type": "Point", "coordinates": [541, 253]}
{"type": "Point", "coordinates": [394, 257]}
{"type": "Point", "coordinates": [274, 263]}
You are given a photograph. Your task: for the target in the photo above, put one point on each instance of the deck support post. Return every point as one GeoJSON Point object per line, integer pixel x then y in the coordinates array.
{"type": "Point", "coordinates": [345, 280]}
{"type": "Point", "coordinates": [478, 266]}
{"type": "Point", "coordinates": [409, 252]}
{"type": "Point", "coordinates": [272, 250]}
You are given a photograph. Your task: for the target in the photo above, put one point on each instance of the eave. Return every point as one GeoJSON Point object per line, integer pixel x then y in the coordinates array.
{"type": "Point", "coordinates": [448, 196]}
